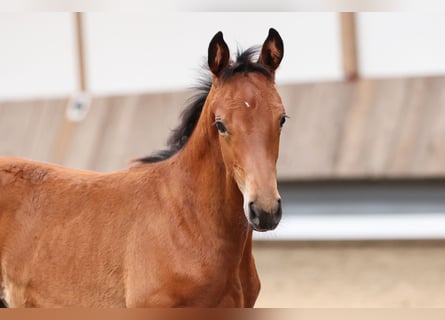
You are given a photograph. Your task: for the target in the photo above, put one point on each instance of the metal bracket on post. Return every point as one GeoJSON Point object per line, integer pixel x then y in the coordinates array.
{"type": "Point", "coordinates": [78, 106]}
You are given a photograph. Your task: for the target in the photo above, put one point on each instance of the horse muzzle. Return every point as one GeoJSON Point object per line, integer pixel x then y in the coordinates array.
{"type": "Point", "coordinates": [264, 220]}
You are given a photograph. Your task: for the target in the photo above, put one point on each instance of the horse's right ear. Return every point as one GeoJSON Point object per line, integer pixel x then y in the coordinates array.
{"type": "Point", "coordinates": [219, 54]}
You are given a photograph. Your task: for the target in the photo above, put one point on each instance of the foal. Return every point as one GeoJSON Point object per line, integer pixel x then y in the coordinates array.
{"type": "Point", "coordinates": [173, 230]}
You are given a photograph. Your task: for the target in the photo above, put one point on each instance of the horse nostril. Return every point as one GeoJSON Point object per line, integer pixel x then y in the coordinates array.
{"type": "Point", "coordinates": [253, 214]}
{"type": "Point", "coordinates": [279, 210]}
{"type": "Point", "coordinates": [278, 213]}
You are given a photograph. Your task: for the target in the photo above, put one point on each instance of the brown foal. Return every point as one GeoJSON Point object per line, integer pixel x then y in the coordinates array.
{"type": "Point", "coordinates": [173, 230]}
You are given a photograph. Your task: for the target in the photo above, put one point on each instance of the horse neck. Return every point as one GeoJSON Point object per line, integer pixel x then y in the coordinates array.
{"type": "Point", "coordinates": [204, 176]}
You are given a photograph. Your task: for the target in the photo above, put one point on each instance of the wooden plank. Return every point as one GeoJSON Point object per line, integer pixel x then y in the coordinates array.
{"type": "Point", "coordinates": [428, 155]}
{"type": "Point", "coordinates": [349, 45]}
{"type": "Point", "coordinates": [115, 127]}
{"type": "Point", "coordinates": [410, 122]}
{"type": "Point", "coordinates": [86, 136]}
{"type": "Point", "coordinates": [155, 117]}
{"type": "Point", "coordinates": [348, 162]}
{"type": "Point", "coordinates": [371, 128]}
{"type": "Point", "coordinates": [311, 137]}
{"type": "Point", "coordinates": [376, 129]}
{"type": "Point", "coordinates": [29, 129]}
{"type": "Point", "coordinates": [47, 119]}
{"type": "Point", "coordinates": [388, 106]}
{"type": "Point", "coordinates": [15, 120]}
{"type": "Point", "coordinates": [118, 129]}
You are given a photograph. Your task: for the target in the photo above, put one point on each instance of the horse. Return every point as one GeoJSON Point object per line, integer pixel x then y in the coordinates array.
{"type": "Point", "coordinates": [172, 230]}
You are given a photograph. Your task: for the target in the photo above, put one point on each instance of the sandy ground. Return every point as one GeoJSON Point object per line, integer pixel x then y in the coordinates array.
{"type": "Point", "coordinates": [351, 274]}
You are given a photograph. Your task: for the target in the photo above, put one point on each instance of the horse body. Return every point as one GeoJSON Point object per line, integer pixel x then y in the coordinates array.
{"type": "Point", "coordinates": [176, 232]}
{"type": "Point", "coordinates": [116, 246]}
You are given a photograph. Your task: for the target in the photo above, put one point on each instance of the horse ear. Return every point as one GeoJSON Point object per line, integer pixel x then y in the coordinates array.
{"type": "Point", "coordinates": [272, 51]}
{"type": "Point", "coordinates": [219, 54]}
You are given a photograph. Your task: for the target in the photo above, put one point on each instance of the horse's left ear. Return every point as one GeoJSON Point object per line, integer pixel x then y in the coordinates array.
{"type": "Point", "coordinates": [272, 51]}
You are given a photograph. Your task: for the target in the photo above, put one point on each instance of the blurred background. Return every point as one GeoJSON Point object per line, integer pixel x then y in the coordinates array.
{"type": "Point", "coordinates": [362, 158]}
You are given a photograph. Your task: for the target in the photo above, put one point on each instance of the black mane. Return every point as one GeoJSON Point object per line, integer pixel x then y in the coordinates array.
{"type": "Point", "coordinates": [189, 117]}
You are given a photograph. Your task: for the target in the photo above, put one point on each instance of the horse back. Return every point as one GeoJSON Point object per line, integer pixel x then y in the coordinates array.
{"type": "Point", "coordinates": [31, 183]}
{"type": "Point", "coordinates": [17, 177]}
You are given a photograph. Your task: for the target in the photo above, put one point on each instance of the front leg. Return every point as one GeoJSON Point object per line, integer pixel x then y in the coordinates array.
{"type": "Point", "coordinates": [250, 281]}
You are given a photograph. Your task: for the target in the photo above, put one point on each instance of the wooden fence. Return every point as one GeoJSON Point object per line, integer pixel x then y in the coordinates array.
{"type": "Point", "coordinates": [382, 128]}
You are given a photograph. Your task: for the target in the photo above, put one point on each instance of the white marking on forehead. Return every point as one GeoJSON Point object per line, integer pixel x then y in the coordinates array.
{"type": "Point", "coordinates": [247, 104]}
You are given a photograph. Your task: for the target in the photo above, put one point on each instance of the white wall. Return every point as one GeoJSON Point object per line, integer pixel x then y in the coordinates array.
{"type": "Point", "coordinates": [139, 52]}
{"type": "Point", "coordinates": [36, 55]}
{"type": "Point", "coordinates": [401, 44]}
{"type": "Point", "coordinates": [146, 52]}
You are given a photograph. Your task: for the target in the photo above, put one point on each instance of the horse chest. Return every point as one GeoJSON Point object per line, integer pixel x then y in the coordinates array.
{"type": "Point", "coordinates": [191, 283]}
{"type": "Point", "coordinates": [237, 287]}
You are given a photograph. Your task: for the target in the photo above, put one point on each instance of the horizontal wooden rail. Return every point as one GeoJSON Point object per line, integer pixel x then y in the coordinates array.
{"type": "Point", "coordinates": [387, 128]}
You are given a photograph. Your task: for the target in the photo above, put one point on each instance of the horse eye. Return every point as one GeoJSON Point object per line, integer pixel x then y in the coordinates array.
{"type": "Point", "coordinates": [220, 126]}
{"type": "Point", "coordinates": [282, 120]}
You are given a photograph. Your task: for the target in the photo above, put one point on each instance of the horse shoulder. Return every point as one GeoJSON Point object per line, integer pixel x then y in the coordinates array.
{"type": "Point", "coordinates": [16, 171]}
{"type": "Point", "coordinates": [17, 178]}
{"type": "Point", "coordinates": [14, 186]}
